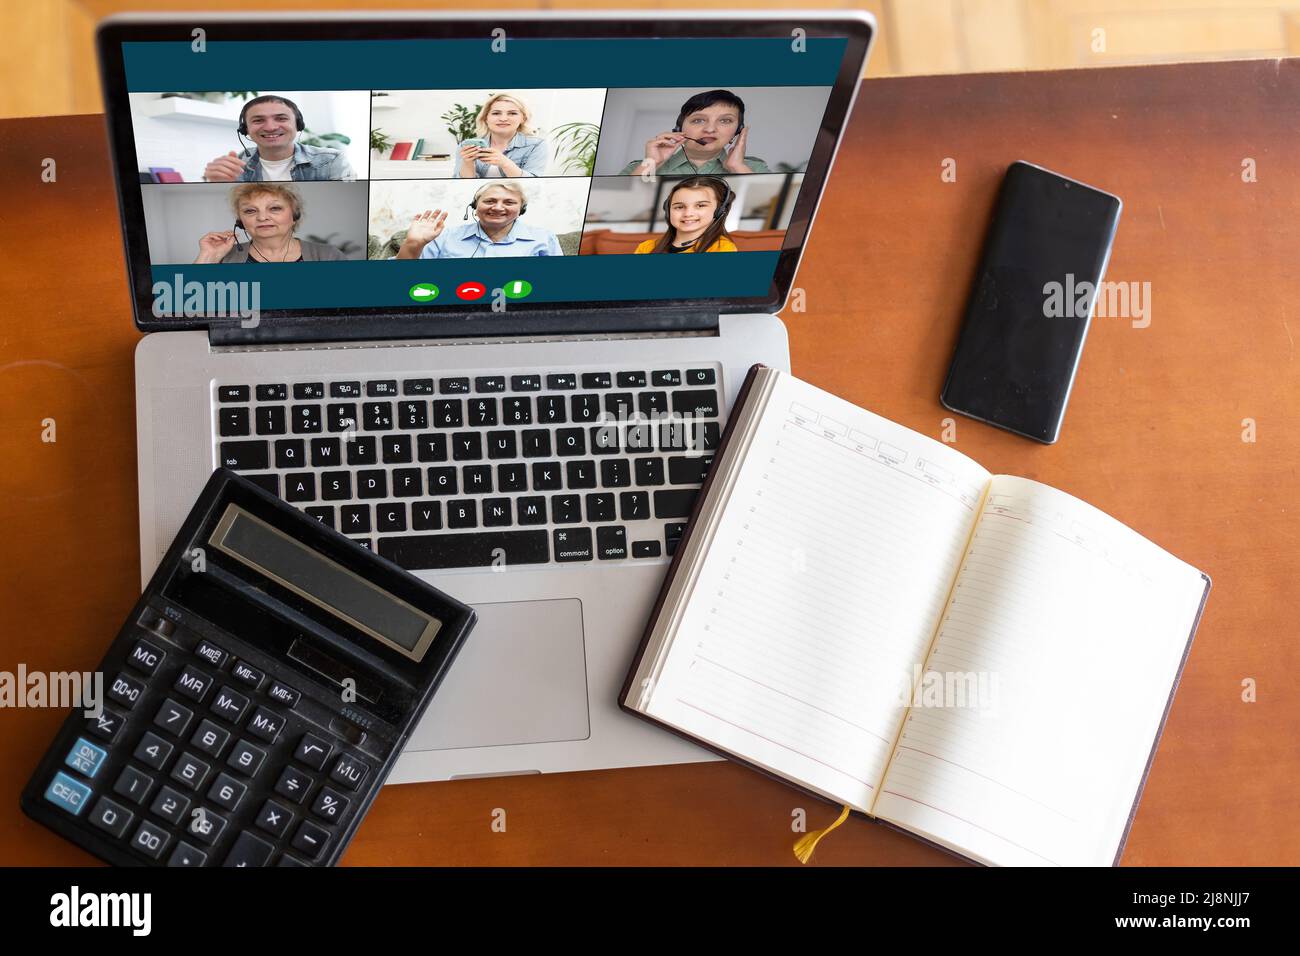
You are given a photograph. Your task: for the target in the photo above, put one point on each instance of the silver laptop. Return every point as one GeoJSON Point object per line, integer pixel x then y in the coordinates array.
{"type": "Point", "coordinates": [477, 292]}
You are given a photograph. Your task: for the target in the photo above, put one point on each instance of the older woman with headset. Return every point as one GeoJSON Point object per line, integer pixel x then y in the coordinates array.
{"type": "Point", "coordinates": [696, 210]}
{"type": "Point", "coordinates": [504, 144]}
{"type": "Point", "coordinates": [269, 215]}
{"type": "Point", "coordinates": [494, 232]}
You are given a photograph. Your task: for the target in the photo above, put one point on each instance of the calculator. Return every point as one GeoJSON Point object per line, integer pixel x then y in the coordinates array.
{"type": "Point", "coordinates": [255, 699]}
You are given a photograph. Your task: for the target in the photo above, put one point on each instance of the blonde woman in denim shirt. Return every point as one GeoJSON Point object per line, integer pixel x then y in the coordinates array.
{"type": "Point", "coordinates": [513, 150]}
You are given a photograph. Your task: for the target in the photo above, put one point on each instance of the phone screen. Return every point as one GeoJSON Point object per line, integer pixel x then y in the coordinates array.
{"type": "Point", "coordinates": [1032, 302]}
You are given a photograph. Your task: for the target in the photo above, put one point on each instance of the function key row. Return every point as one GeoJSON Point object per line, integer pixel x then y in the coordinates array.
{"type": "Point", "coordinates": [389, 388]}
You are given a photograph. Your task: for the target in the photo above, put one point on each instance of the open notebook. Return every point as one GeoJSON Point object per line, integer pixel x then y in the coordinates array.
{"type": "Point", "coordinates": [979, 659]}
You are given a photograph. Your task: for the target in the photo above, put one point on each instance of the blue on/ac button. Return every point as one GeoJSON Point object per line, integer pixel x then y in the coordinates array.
{"type": "Point", "coordinates": [67, 793]}
{"type": "Point", "coordinates": [85, 757]}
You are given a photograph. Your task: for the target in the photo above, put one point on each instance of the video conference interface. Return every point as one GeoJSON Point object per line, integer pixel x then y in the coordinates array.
{"type": "Point", "coordinates": [444, 196]}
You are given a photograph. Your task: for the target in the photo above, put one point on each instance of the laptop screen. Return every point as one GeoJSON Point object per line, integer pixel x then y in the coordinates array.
{"type": "Point", "coordinates": [496, 171]}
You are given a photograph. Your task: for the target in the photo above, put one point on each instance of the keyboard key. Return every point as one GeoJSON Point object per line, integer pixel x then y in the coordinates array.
{"type": "Point", "coordinates": [226, 791]}
{"type": "Point", "coordinates": [85, 758]}
{"type": "Point", "coordinates": [512, 477]}
{"type": "Point", "coordinates": [67, 793]}
{"type": "Point", "coordinates": [639, 437]}
{"type": "Point", "coordinates": [284, 694]}
{"type": "Point", "coordinates": [290, 453]}
{"type": "Point", "coordinates": [173, 717]}
{"type": "Point", "coordinates": [273, 393]}
{"type": "Point", "coordinates": [580, 474]}
{"type": "Point", "coordinates": [700, 402]}
{"type": "Point", "coordinates": [265, 725]}
{"type": "Point", "coordinates": [232, 421]}
{"type": "Point", "coordinates": [341, 418]}
{"type": "Point", "coordinates": [107, 725]}
{"type": "Point", "coordinates": [230, 705]}
{"type": "Point", "coordinates": [585, 408]}
{"type": "Point", "coordinates": [345, 389]}
{"type": "Point", "coordinates": [531, 510]}
{"type": "Point", "coordinates": [300, 486]}
{"type": "Point", "coordinates": [462, 513]}
{"type": "Point", "coordinates": [306, 391]}
{"type": "Point", "coordinates": [232, 393]}
{"type": "Point", "coordinates": [372, 484]}
{"type": "Point", "coordinates": [490, 383]}
{"type": "Point", "coordinates": [325, 453]}
{"type": "Point", "coordinates": [496, 512]}
{"type": "Point", "coordinates": [516, 411]}
{"type": "Point", "coordinates": [271, 420]}
{"type": "Point", "coordinates": [525, 383]}
{"type": "Point", "coordinates": [150, 840]}
{"type": "Point", "coordinates": [330, 805]}
{"type": "Point", "coordinates": [417, 386]}
{"type": "Point", "coordinates": [705, 436]}
{"type": "Point", "coordinates": [112, 818]}
{"type": "Point", "coordinates": [274, 818]}
{"type": "Point", "coordinates": [426, 516]}
{"type": "Point", "coordinates": [153, 751]}
{"type": "Point", "coordinates": [572, 544]}
{"type": "Point", "coordinates": [630, 379]}
{"type": "Point", "coordinates": [447, 413]}
{"type": "Point", "coordinates": [634, 506]}
{"type": "Point", "coordinates": [145, 657]}
{"type": "Point", "coordinates": [477, 479]}
{"type": "Point", "coordinates": [324, 515]}
{"type": "Point", "coordinates": [550, 410]}
{"type": "Point", "coordinates": [566, 509]}
{"type": "Point", "coordinates": [248, 851]}
{"type": "Point", "coordinates": [407, 483]}
{"type": "Point", "coordinates": [246, 758]}
{"type": "Point", "coordinates": [674, 504]}
{"type": "Point", "coordinates": [442, 481]}
{"type": "Point", "coordinates": [306, 419]}
{"type": "Point", "coordinates": [193, 683]}
{"type": "Point", "coordinates": [313, 751]}
{"type": "Point", "coordinates": [466, 446]}
{"type": "Point", "coordinates": [700, 376]}
{"type": "Point", "coordinates": [600, 507]}
{"type": "Point", "coordinates": [246, 673]}
{"type": "Point", "coordinates": [382, 388]}
{"type": "Point", "coordinates": [649, 471]}
{"type": "Point", "coordinates": [561, 381]}
{"type": "Point", "coordinates": [205, 825]}
{"type": "Point", "coordinates": [311, 839]}
{"type": "Point", "coordinates": [377, 416]}
{"type": "Point", "coordinates": [209, 738]}
{"type": "Point", "coordinates": [190, 771]}
{"type": "Point", "coordinates": [536, 442]}
{"type": "Point", "coordinates": [126, 690]}
{"type": "Point", "coordinates": [397, 449]}
{"type": "Point", "coordinates": [213, 654]}
{"type": "Point", "coordinates": [186, 855]}
{"type": "Point", "coordinates": [645, 549]}
{"type": "Point", "coordinates": [604, 439]}
{"type": "Point", "coordinates": [611, 542]}
{"type": "Point", "coordinates": [390, 516]}
{"type": "Point", "coordinates": [412, 415]}
{"type": "Point", "coordinates": [546, 476]}
{"type": "Point", "coordinates": [652, 404]}
{"type": "Point", "coordinates": [349, 771]}
{"type": "Point", "coordinates": [294, 784]}
{"type": "Point", "coordinates": [424, 552]}
{"type": "Point", "coordinates": [431, 447]}
{"type": "Point", "coordinates": [170, 805]}
{"type": "Point", "coordinates": [620, 405]}
{"type": "Point", "coordinates": [570, 441]}
{"type": "Point", "coordinates": [270, 483]}
{"type": "Point", "coordinates": [453, 386]}
{"type": "Point", "coordinates": [690, 470]}
{"type": "Point", "coordinates": [673, 536]}
{"type": "Point", "coordinates": [244, 455]}
{"type": "Point", "coordinates": [665, 378]}
{"type": "Point", "coordinates": [672, 435]}
{"type": "Point", "coordinates": [615, 473]}
{"type": "Point", "coordinates": [363, 450]}
{"type": "Point", "coordinates": [133, 784]}
{"type": "Point", "coordinates": [336, 485]}
{"type": "Point", "coordinates": [501, 445]}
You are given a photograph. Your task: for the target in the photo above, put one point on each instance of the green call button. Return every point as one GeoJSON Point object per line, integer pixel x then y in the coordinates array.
{"type": "Point", "coordinates": [423, 292]}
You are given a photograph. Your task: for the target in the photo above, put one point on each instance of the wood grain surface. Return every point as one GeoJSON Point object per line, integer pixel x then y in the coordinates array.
{"type": "Point", "coordinates": [1153, 436]}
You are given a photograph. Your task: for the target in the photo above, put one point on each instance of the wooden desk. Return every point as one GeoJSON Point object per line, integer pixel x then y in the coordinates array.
{"type": "Point", "coordinates": [1153, 436]}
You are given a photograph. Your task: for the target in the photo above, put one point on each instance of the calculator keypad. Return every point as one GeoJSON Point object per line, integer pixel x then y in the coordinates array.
{"type": "Point", "coordinates": [205, 759]}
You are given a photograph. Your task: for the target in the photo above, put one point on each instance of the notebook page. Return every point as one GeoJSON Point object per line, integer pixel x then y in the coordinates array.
{"type": "Point", "coordinates": [1079, 624]}
{"type": "Point", "coordinates": [820, 593]}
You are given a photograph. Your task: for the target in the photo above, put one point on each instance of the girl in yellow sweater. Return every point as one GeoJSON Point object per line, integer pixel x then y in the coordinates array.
{"type": "Point", "coordinates": [696, 210]}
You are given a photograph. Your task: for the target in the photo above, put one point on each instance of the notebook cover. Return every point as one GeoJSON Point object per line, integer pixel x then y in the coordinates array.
{"type": "Point", "coordinates": [741, 397]}
{"type": "Point", "coordinates": [402, 151]}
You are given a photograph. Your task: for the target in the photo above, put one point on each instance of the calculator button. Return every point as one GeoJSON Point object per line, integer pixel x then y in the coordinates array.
{"type": "Point", "coordinates": [211, 653]}
{"type": "Point", "coordinates": [145, 656]}
{"type": "Point", "coordinates": [111, 817]}
{"type": "Point", "coordinates": [126, 690]}
{"type": "Point", "coordinates": [190, 771]}
{"type": "Point", "coordinates": [330, 805]}
{"type": "Point", "coordinates": [133, 784]}
{"type": "Point", "coordinates": [311, 839]}
{"type": "Point", "coordinates": [210, 738]}
{"type": "Point", "coordinates": [249, 851]}
{"type": "Point", "coordinates": [294, 784]}
{"type": "Point", "coordinates": [150, 840]}
{"type": "Point", "coordinates": [205, 825]}
{"type": "Point", "coordinates": [313, 751]}
{"type": "Point", "coordinates": [106, 725]}
{"type": "Point", "coordinates": [265, 725]}
{"type": "Point", "coordinates": [67, 793]}
{"type": "Point", "coordinates": [349, 771]}
{"type": "Point", "coordinates": [153, 750]}
{"type": "Point", "coordinates": [247, 674]}
{"type": "Point", "coordinates": [274, 819]}
{"type": "Point", "coordinates": [86, 758]}
{"type": "Point", "coordinates": [173, 717]}
{"type": "Point", "coordinates": [246, 758]}
{"type": "Point", "coordinates": [170, 805]}
{"type": "Point", "coordinates": [230, 705]}
{"type": "Point", "coordinates": [226, 791]}
{"type": "Point", "coordinates": [284, 694]}
{"type": "Point", "coordinates": [186, 855]}
{"type": "Point", "coordinates": [194, 684]}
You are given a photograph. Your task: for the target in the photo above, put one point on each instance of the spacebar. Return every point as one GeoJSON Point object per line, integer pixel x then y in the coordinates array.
{"type": "Point", "coordinates": [471, 550]}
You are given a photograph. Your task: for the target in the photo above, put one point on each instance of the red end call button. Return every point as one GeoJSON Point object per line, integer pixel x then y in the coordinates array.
{"type": "Point", "coordinates": [471, 290]}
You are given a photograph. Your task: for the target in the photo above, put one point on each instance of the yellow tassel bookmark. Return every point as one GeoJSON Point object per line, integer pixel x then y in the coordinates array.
{"type": "Point", "coordinates": [803, 849]}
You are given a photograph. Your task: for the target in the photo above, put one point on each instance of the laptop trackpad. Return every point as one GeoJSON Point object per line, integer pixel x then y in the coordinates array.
{"type": "Point", "coordinates": [520, 678]}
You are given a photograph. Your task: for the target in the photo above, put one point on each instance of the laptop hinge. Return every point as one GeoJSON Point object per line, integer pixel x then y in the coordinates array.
{"type": "Point", "coordinates": [568, 323]}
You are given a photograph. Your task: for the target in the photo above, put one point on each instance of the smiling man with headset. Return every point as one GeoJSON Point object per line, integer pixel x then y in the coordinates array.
{"type": "Point", "coordinates": [494, 232]}
{"type": "Point", "coordinates": [273, 123]}
{"type": "Point", "coordinates": [710, 137]}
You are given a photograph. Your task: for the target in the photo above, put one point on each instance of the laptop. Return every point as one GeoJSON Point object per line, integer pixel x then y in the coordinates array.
{"type": "Point", "coordinates": [478, 292]}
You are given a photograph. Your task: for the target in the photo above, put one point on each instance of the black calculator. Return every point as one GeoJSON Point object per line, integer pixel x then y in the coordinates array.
{"type": "Point", "coordinates": [254, 700]}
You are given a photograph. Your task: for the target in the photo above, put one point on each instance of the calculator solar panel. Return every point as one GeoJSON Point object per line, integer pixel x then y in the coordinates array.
{"type": "Point", "coordinates": [254, 700]}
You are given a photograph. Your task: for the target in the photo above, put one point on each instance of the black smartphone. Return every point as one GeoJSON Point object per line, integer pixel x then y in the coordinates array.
{"type": "Point", "coordinates": [1028, 314]}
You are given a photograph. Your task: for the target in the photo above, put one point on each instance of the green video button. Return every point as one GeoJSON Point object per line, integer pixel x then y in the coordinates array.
{"type": "Point", "coordinates": [518, 289]}
{"type": "Point", "coordinates": [423, 292]}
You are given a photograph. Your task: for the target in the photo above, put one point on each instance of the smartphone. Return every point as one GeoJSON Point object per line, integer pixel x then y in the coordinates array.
{"type": "Point", "coordinates": [1030, 308]}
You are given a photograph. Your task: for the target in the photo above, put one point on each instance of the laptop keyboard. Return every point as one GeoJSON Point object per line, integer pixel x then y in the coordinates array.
{"type": "Point", "coordinates": [484, 470]}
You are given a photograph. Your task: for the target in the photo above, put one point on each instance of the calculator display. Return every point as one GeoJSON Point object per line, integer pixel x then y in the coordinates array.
{"type": "Point", "coordinates": [313, 576]}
